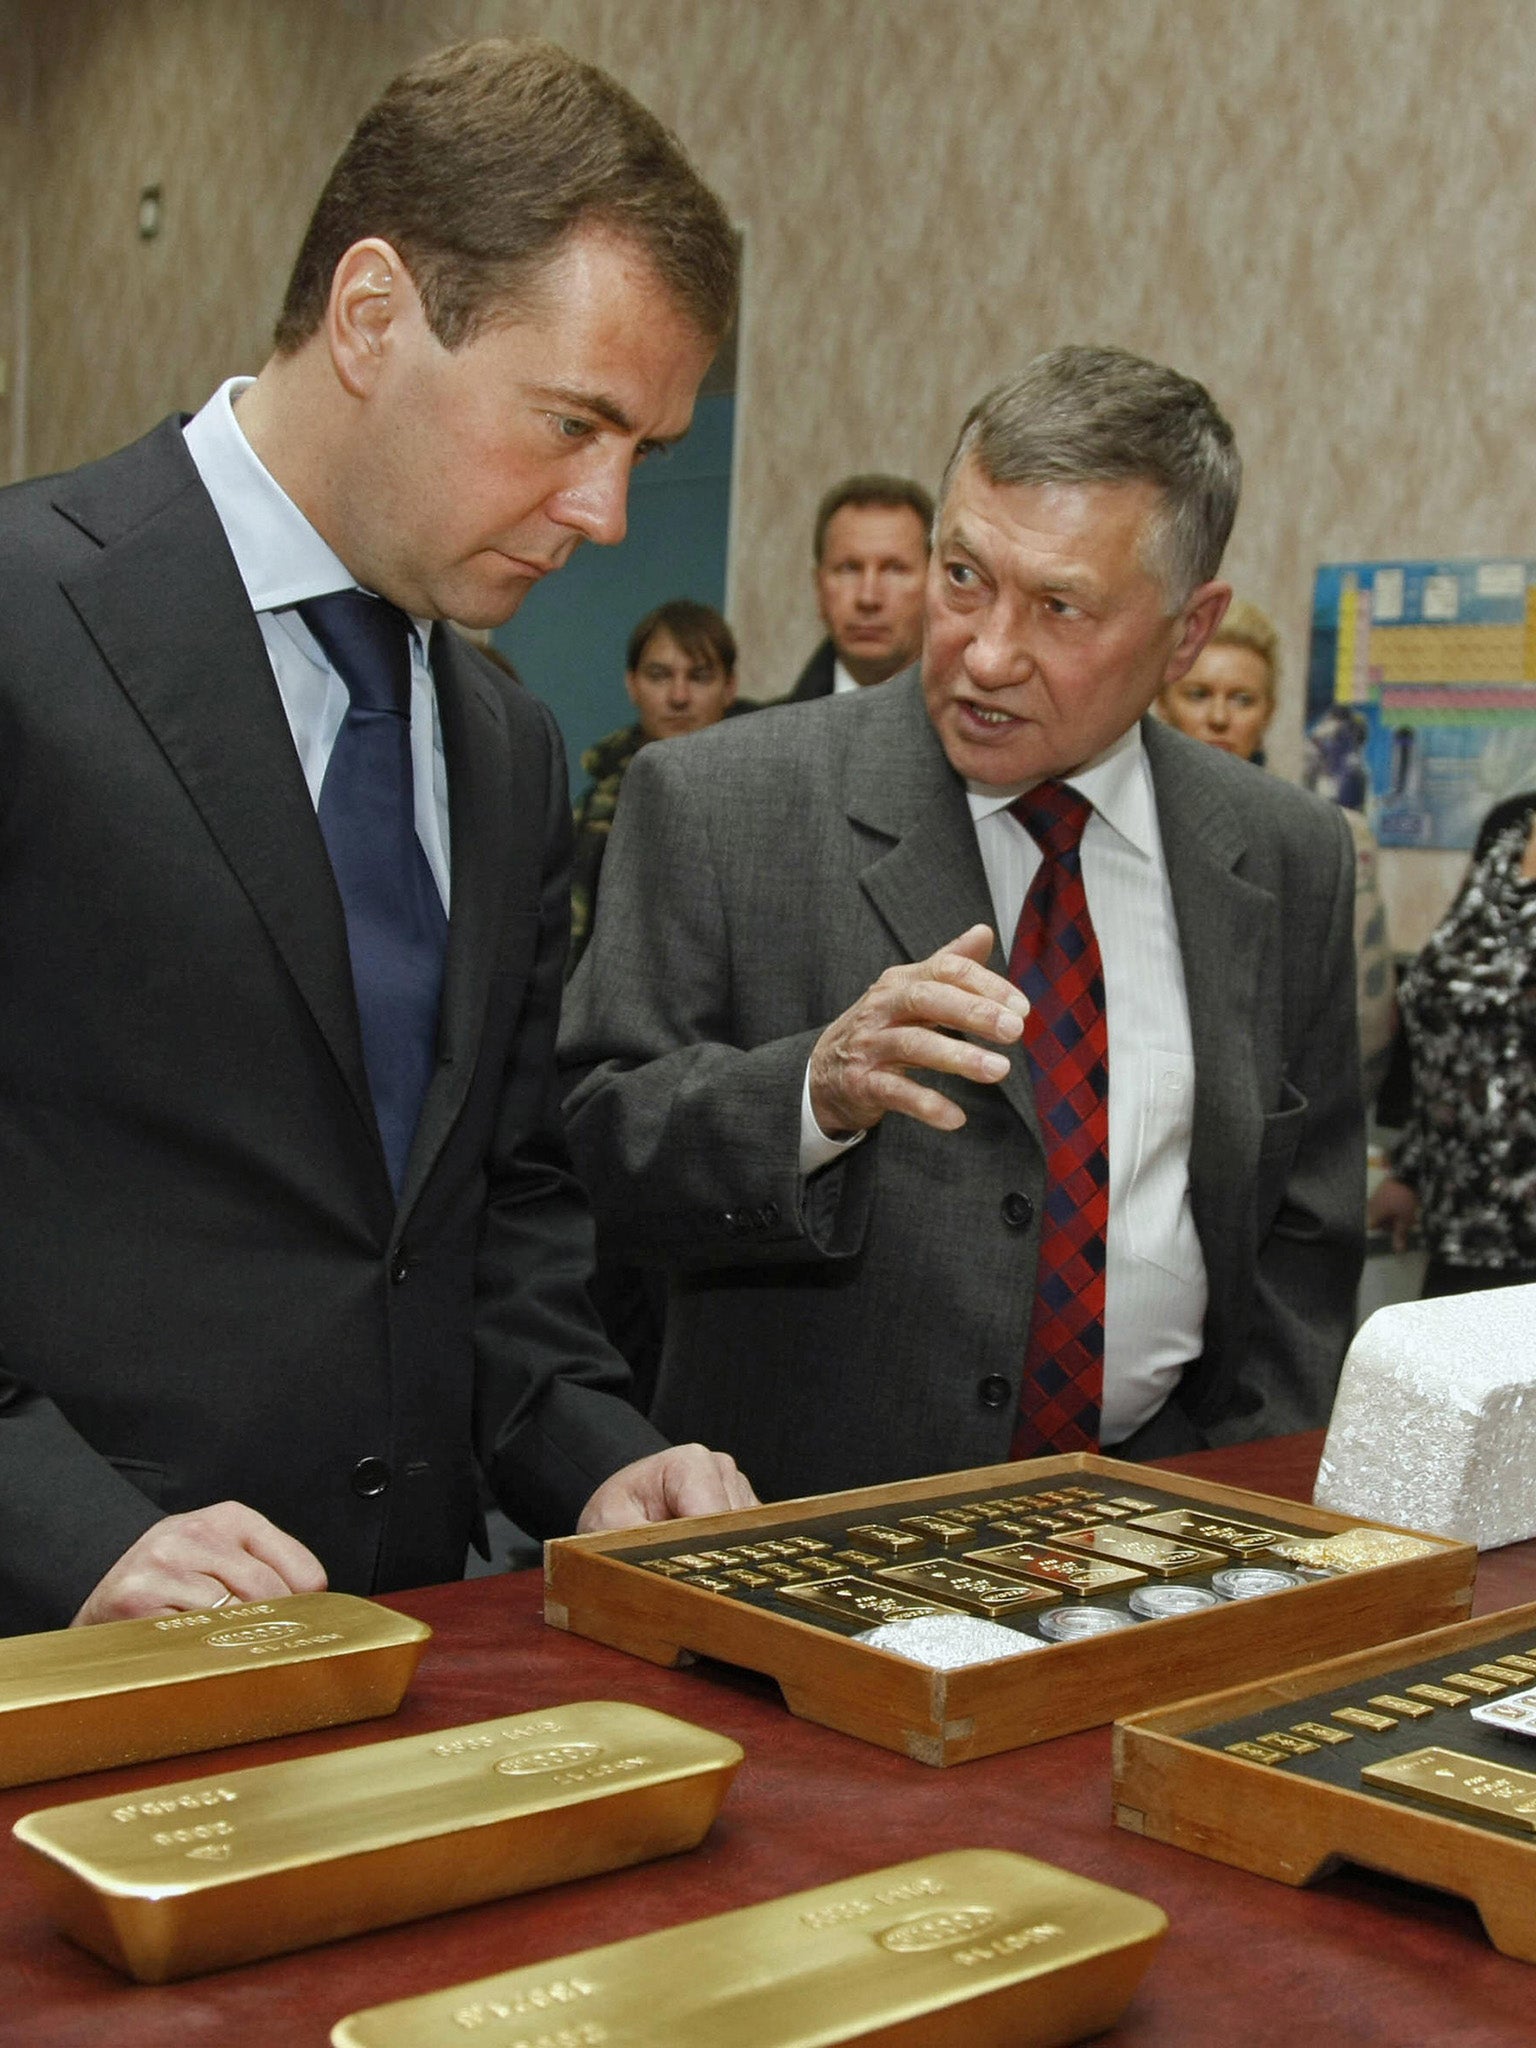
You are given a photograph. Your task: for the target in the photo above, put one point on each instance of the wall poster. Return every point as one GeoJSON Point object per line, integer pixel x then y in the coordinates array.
{"type": "Point", "coordinates": [1421, 693]}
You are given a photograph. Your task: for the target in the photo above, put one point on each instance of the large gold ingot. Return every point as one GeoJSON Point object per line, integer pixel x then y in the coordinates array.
{"type": "Point", "coordinates": [125, 1692]}
{"type": "Point", "coordinates": [972, 1948]}
{"type": "Point", "coordinates": [206, 1872]}
{"type": "Point", "coordinates": [1465, 1785]}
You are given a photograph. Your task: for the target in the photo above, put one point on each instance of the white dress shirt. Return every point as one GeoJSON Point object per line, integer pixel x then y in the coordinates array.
{"type": "Point", "coordinates": [842, 682]}
{"type": "Point", "coordinates": [282, 561]}
{"type": "Point", "coordinates": [1155, 1282]}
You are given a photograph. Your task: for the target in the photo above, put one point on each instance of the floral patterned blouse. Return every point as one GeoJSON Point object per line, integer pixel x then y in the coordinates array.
{"type": "Point", "coordinates": [1469, 1007]}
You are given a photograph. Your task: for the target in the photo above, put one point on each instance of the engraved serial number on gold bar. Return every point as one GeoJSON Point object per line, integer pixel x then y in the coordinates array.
{"type": "Point", "coordinates": [1195, 1527]}
{"type": "Point", "coordinates": [1140, 1547]}
{"type": "Point", "coordinates": [1465, 1784]}
{"type": "Point", "coordinates": [855, 1599]}
{"type": "Point", "coordinates": [1057, 1568]}
{"type": "Point", "coordinates": [967, 1585]}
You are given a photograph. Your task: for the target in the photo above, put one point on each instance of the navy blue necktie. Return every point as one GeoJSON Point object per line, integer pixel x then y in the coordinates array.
{"type": "Point", "coordinates": [397, 932]}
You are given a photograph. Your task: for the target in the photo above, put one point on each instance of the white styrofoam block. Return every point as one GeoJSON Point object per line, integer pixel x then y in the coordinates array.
{"type": "Point", "coordinates": [1434, 1423]}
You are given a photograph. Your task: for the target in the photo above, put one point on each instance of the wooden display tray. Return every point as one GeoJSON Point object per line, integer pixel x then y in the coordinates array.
{"type": "Point", "coordinates": [1277, 1821]}
{"type": "Point", "coordinates": [594, 1587]}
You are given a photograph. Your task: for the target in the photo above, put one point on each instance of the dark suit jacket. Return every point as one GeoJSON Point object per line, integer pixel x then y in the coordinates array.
{"type": "Point", "coordinates": [206, 1287]}
{"type": "Point", "coordinates": [857, 1328]}
{"type": "Point", "coordinates": [815, 679]}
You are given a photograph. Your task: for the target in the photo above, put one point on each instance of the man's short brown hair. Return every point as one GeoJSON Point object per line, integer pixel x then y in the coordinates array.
{"type": "Point", "coordinates": [873, 488]}
{"type": "Point", "coordinates": [477, 163]}
{"type": "Point", "coordinates": [698, 629]}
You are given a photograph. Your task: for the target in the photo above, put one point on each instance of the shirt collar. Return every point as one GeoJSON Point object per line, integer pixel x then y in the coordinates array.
{"type": "Point", "coordinates": [1117, 783]}
{"type": "Point", "coordinates": [281, 558]}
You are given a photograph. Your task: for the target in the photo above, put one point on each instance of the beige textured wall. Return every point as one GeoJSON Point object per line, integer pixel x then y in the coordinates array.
{"type": "Point", "coordinates": [1321, 207]}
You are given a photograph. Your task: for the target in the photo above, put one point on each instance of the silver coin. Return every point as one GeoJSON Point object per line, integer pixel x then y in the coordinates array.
{"type": "Point", "coordinates": [1155, 1602]}
{"type": "Point", "coordinates": [1066, 1624]}
{"type": "Point", "coordinates": [1249, 1581]}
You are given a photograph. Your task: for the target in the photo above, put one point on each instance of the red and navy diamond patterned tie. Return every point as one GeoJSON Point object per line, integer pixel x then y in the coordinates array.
{"type": "Point", "coordinates": [1055, 960]}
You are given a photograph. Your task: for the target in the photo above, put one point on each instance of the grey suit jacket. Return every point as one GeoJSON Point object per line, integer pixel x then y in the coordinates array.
{"type": "Point", "coordinates": [855, 1328]}
{"type": "Point", "coordinates": [207, 1289]}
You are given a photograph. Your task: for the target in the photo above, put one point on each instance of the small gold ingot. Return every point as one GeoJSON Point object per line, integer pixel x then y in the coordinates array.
{"type": "Point", "coordinates": [1476, 1681]}
{"type": "Point", "coordinates": [708, 1582]}
{"type": "Point", "coordinates": [206, 1872]}
{"type": "Point", "coordinates": [750, 1579]}
{"type": "Point", "coordinates": [785, 1574]}
{"type": "Point", "coordinates": [1293, 1745]}
{"type": "Point", "coordinates": [937, 1529]}
{"type": "Point", "coordinates": [974, 1945]}
{"type": "Point", "coordinates": [1362, 1717]}
{"type": "Point", "coordinates": [1126, 1545]}
{"type": "Point", "coordinates": [1256, 1752]}
{"type": "Point", "coordinates": [1464, 1784]}
{"type": "Point", "coordinates": [813, 1546]}
{"type": "Point", "coordinates": [1526, 1666]}
{"type": "Point", "coordinates": [1437, 1695]}
{"type": "Point", "coordinates": [1494, 1671]}
{"type": "Point", "coordinates": [1057, 1568]}
{"type": "Point", "coordinates": [881, 1537]}
{"type": "Point", "coordinates": [669, 1567]}
{"type": "Point", "coordinates": [862, 1601]}
{"type": "Point", "coordinates": [865, 1559]}
{"type": "Point", "coordinates": [966, 1585]}
{"type": "Point", "coordinates": [1319, 1731]}
{"type": "Point", "coordinates": [1014, 1525]}
{"type": "Point", "coordinates": [1132, 1501]}
{"type": "Point", "coordinates": [1405, 1709]}
{"type": "Point", "coordinates": [124, 1692]}
{"type": "Point", "coordinates": [1194, 1526]}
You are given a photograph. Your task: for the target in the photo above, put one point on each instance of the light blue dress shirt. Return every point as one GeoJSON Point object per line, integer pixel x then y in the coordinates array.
{"type": "Point", "coordinates": [282, 561]}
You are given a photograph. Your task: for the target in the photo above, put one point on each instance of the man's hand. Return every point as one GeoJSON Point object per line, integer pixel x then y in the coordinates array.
{"type": "Point", "coordinates": [908, 1019]}
{"type": "Point", "coordinates": [198, 1560]}
{"type": "Point", "coordinates": [1395, 1207]}
{"type": "Point", "coordinates": [685, 1480]}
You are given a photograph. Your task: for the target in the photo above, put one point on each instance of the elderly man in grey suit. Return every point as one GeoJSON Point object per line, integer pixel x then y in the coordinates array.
{"type": "Point", "coordinates": [1099, 1184]}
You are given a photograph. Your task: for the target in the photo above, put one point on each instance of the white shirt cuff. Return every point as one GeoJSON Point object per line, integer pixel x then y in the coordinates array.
{"type": "Point", "coordinates": [816, 1148]}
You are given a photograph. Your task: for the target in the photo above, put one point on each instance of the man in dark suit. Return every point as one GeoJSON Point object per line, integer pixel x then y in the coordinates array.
{"type": "Point", "coordinates": [938, 1231]}
{"type": "Point", "coordinates": [291, 1249]}
{"type": "Point", "coordinates": [870, 549]}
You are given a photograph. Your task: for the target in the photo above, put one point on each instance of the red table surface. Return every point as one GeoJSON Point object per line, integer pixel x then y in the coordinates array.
{"type": "Point", "coordinates": [1355, 1959]}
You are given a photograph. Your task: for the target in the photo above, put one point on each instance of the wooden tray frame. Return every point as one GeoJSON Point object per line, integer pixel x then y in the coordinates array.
{"type": "Point", "coordinates": [949, 1717]}
{"type": "Point", "coordinates": [1295, 1829]}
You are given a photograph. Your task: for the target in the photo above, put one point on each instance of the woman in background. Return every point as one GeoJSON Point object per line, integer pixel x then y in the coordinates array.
{"type": "Point", "coordinates": [1227, 700]}
{"type": "Point", "coordinates": [1465, 1166]}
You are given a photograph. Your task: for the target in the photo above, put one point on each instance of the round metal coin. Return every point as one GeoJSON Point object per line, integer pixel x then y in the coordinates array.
{"type": "Point", "coordinates": [1066, 1624]}
{"type": "Point", "coordinates": [1153, 1603]}
{"type": "Point", "coordinates": [1249, 1581]}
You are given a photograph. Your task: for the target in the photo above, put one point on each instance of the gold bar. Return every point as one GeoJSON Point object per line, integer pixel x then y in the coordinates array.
{"type": "Point", "coordinates": [1226, 1534]}
{"type": "Point", "coordinates": [206, 1872]}
{"type": "Point", "coordinates": [941, 1529]}
{"type": "Point", "coordinates": [881, 1536]}
{"type": "Point", "coordinates": [1405, 1709]}
{"type": "Point", "coordinates": [1319, 1731]}
{"type": "Point", "coordinates": [1125, 1545]}
{"type": "Point", "coordinates": [1362, 1717]}
{"type": "Point", "coordinates": [968, 1586]}
{"type": "Point", "coordinates": [1473, 1681]}
{"type": "Point", "coordinates": [972, 1948]}
{"type": "Point", "coordinates": [1056, 1568]}
{"type": "Point", "coordinates": [854, 1599]}
{"type": "Point", "coordinates": [1464, 1784]}
{"type": "Point", "coordinates": [1437, 1695]}
{"type": "Point", "coordinates": [124, 1692]}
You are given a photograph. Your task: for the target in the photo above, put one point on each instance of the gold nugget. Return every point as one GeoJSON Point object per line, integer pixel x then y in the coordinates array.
{"type": "Point", "coordinates": [86, 1699]}
{"type": "Point", "coordinates": [974, 1945]}
{"type": "Point", "coordinates": [205, 1872]}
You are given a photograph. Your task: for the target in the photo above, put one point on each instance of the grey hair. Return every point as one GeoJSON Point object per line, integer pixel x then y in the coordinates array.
{"type": "Point", "coordinates": [1100, 415]}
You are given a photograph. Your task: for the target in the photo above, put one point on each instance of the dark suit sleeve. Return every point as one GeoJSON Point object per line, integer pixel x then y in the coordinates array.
{"type": "Point", "coordinates": [685, 1124]}
{"type": "Point", "coordinates": [1309, 1194]}
{"type": "Point", "coordinates": [551, 1419]}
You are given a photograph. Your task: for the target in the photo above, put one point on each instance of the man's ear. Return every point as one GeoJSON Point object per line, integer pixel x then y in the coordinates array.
{"type": "Point", "coordinates": [1203, 612]}
{"type": "Point", "coordinates": [371, 296]}
{"type": "Point", "coordinates": [632, 687]}
{"type": "Point", "coordinates": [729, 695]}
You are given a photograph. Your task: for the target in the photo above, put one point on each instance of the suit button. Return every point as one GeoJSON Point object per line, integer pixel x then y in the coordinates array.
{"type": "Point", "coordinates": [370, 1477]}
{"type": "Point", "coordinates": [399, 1267]}
{"type": "Point", "coordinates": [1018, 1210]}
{"type": "Point", "coordinates": [994, 1391]}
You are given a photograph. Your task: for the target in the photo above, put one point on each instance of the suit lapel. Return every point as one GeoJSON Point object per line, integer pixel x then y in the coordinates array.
{"type": "Point", "coordinates": [165, 606]}
{"type": "Point", "coordinates": [1225, 925]}
{"type": "Point", "coordinates": [930, 884]}
{"type": "Point", "coordinates": [483, 822]}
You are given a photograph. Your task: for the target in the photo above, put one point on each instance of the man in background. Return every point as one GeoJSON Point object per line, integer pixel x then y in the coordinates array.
{"type": "Point", "coordinates": [1017, 1111]}
{"type": "Point", "coordinates": [680, 675]}
{"type": "Point", "coordinates": [293, 1250]}
{"type": "Point", "coordinates": [870, 548]}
